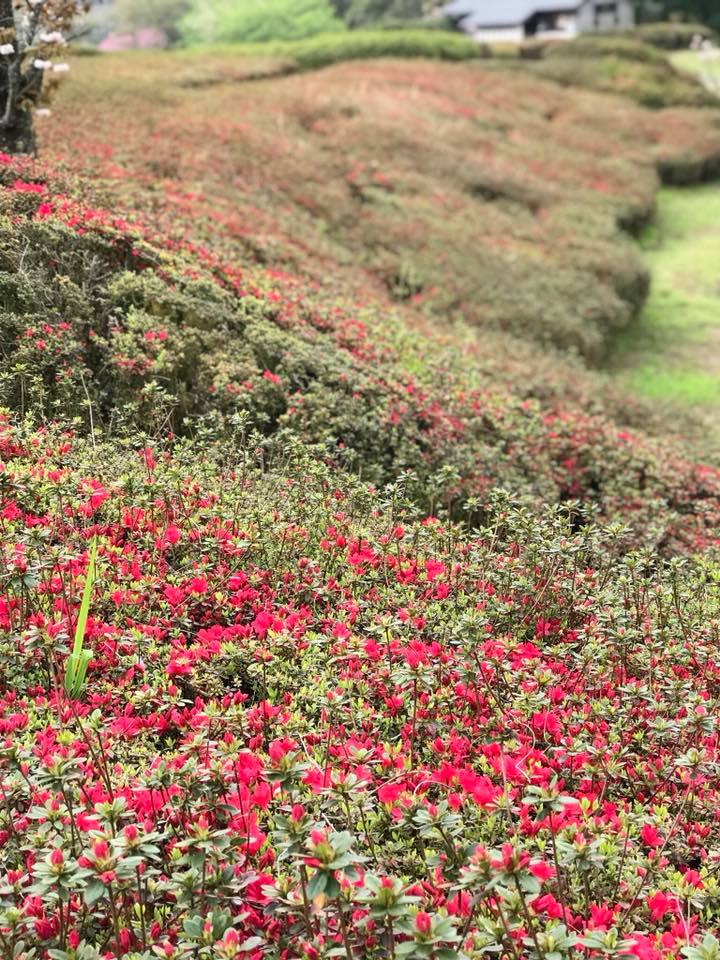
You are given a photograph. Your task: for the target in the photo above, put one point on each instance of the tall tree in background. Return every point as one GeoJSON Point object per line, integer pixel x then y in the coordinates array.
{"type": "Point", "coordinates": [700, 11]}
{"type": "Point", "coordinates": [32, 36]}
{"type": "Point", "coordinates": [359, 13]}
{"type": "Point", "coordinates": [257, 20]}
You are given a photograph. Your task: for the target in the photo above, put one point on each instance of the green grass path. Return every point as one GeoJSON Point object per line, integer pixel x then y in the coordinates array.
{"type": "Point", "coordinates": [673, 352]}
{"type": "Point", "coordinates": [708, 70]}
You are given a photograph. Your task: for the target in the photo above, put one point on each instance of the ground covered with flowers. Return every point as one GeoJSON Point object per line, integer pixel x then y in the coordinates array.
{"type": "Point", "coordinates": [404, 638]}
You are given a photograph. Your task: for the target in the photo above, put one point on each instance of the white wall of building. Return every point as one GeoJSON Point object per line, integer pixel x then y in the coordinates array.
{"type": "Point", "coordinates": [499, 34]}
{"type": "Point", "coordinates": [566, 26]}
{"type": "Point", "coordinates": [591, 17]}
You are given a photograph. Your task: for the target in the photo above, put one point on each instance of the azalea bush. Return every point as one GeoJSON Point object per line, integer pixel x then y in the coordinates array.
{"type": "Point", "coordinates": [160, 337]}
{"type": "Point", "coordinates": [317, 723]}
{"type": "Point", "coordinates": [414, 174]}
{"type": "Point", "coordinates": [616, 67]}
{"type": "Point", "coordinates": [326, 631]}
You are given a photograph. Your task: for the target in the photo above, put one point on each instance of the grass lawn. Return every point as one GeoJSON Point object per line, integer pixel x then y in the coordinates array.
{"type": "Point", "coordinates": [691, 62]}
{"type": "Point", "coordinates": [674, 353]}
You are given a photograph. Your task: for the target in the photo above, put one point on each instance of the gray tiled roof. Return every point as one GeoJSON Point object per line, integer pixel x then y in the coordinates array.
{"type": "Point", "coordinates": [502, 13]}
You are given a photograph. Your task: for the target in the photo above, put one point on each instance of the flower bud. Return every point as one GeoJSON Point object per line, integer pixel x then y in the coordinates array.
{"type": "Point", "coordinates": [100, 849]}
{"type": "Point", "coordinates": [423, 923]}
{"type": "Point", "coordinates": [56, 857]}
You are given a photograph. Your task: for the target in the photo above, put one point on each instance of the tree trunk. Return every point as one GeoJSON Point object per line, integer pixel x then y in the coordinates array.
{"type": "Point", "coordinates": [20, 136]}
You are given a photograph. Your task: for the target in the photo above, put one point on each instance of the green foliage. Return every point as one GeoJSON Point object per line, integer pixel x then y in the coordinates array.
{"type": "Point", "coordinates": [361, 13]}
{"type": "Point", "coordinates": [324, 50]}
{"type": "Point", "coordinates": [79, 659]}
{"type": "Point", "coordinates": [256, 21]}
{"type": "Point", "coordinates": [625, 66]}
{"type": "Point", "coordinates": [328, 48]}
{"type": "Point", "coordinates": [610, 45]}
{"type": "Point", "coordinates": [694, 11]}
{"type": "Point", "coordinates": [673, 35]}
{"type": "Point", "coordinates": [147, 347]}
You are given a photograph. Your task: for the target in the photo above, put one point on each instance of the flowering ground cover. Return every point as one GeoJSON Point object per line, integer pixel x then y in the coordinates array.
{"type": "Point", "coordinates": [396, 648]}
{"type": "Point", "coordinates": [486, 196]}
{"type": "Point", "coordinates": [315, 722]}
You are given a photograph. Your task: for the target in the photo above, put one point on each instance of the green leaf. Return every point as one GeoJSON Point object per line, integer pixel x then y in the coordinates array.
{"type": "Point", "coordinates": [93, 892]}
{"type": "Point", "coordinates": [250, 944]}
{"type": "Point", "coordinates": [85, 603]}
{"type": "Point", "coordinates": [79, 659]}
{"type": "Point", "coordinates": [317, 884]}
{"type": "Point", "coordinates": [408, 948]}
{"type": "Point", "coordinates": [193, 925]}
{"type": "Point", "coordinates": [221, 920]}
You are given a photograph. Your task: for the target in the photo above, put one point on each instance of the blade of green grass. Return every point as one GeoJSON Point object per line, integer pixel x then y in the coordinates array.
{"type": "Point", "coordinates": [76, 668]}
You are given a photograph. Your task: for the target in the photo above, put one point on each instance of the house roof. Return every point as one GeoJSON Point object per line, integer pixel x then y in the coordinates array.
{"type": "Point", "coordinates": [504, 13]}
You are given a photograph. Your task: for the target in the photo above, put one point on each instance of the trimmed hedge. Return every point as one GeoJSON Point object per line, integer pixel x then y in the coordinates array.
{"type": "Point", "coordinates": [624, 67]}
{"type": "Point", "coordinates": [672, 36]}
{"type": "Point", "coordinates": [623, 47]}
{"type": "Point", "coordinates": [326, 49]}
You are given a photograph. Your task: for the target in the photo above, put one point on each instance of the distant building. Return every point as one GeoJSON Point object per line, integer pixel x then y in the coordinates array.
{"type": "Point", "coordinates": [517, 20]}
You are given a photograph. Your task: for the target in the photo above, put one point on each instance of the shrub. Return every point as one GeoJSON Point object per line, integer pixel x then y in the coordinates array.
{"type": "Point", "coordinates": [417, 170]}
{"type": "Point", "coordinates": [672, 36]}
{"type": "Point", "coordinates": [435, 705]}
{"type": "Point", "coordinates": [596, 45]}
{"type": "Point", "coordinates": [321, 51]}
{"type": "Point", "coordinates": [105, 326]}
{"type": "Point", "coordinates": [306, 703]}
{"type": "Point", "coordinates": [656, 85]}
{"type": "Point", "coordinates": [369, 13]}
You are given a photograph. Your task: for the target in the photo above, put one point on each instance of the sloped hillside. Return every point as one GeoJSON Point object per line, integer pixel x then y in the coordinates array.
{"type": "Point", "coordinates": [107, 328]}
{"type": "Point", "coordinates": [480, 194]}
{"type": "Point", "coordinates": [402, 642]}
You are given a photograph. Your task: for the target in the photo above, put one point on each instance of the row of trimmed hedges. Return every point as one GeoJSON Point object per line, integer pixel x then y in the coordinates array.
{"type": "Point", "coordinates": [104, 328]}
{"type": "Point", "coordinates": [418, 171]}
